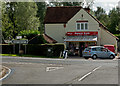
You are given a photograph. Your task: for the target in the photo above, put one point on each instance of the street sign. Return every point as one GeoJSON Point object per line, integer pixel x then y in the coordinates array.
{"type": "Point", "coordinates": [20, 41]}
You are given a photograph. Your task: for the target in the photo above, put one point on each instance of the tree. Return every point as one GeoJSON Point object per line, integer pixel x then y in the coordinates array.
{"type": "Point", "coordinates": [9, 24]}
{"type": "Point", "coordinates": [41, 14]}
{"type": "Point", "coordinates": [114, 20]}
{"type": "Point", "coordinates": [25, 13]}
{"type": "Point", "coordinates": [101, 15]}
{"type": "Point", "coordinates": [17, 16]}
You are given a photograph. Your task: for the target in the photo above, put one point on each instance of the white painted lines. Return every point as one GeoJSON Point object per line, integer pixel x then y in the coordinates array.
{"type": "Point", "coordinates": [9, 71]}
{"type": "Point", "coordinates": [96, 68]}
{"type": "Point", "coordinates": [86, 75]}
{"type": "Point", "coordinates": [16, 63]}
{"type": "Point", "coordinates": [52, 68]}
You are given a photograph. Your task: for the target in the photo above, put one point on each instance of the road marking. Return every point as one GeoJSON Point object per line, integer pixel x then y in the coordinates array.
{"type": "Point", "coordinates": [9, 71]}
{"type": "Point", "coordinates": [52, 68]}
{"type": "Point", "coordinates": [96, 68]}
{"type": "Point", "coordinates": [17, 63]}
{"type": "Point", "coordinates": [86, 75]}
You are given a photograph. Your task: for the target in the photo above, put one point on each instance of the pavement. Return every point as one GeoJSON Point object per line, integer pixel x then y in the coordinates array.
{"type": "Point", "coordinates": [61, 71]}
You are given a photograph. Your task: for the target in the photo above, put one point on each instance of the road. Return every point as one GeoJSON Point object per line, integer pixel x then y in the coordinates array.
{"type": "Point", "coordinates": [59, 71]}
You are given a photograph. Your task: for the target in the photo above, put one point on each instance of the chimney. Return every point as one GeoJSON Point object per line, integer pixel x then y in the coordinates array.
{"type": "Point", "coordinates": [87, 9]}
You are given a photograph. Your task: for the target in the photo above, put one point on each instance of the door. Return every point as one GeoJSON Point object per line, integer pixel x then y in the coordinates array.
{"type": "Point", "coordinates": [105, 53]}
{"type": "Point", "coordinates": [81, 48]}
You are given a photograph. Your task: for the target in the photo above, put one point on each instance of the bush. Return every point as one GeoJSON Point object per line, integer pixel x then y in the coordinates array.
{"type": "Point", "coordinates": [29, 33]}
{"type": "Point", "coordinates": [33, 36]}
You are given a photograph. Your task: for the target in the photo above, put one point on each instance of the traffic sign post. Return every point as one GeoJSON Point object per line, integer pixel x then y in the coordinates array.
{"type": "Point", "coordinates": [19, 42]}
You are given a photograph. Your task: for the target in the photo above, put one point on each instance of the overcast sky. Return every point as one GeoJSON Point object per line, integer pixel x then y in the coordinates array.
{"type": "Point", "coordinates": [105, 4]}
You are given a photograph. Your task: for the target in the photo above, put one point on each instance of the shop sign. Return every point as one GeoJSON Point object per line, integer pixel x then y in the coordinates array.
{"type": "Point", "coordinates": [81, 33]}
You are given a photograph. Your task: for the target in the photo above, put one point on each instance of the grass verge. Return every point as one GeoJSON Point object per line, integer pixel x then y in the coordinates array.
{"type": "Point", "coordinates": [26, 55]}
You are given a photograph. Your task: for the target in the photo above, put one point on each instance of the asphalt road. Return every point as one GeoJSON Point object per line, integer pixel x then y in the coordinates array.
{"type": "Point", "coordinates": [60, 71]}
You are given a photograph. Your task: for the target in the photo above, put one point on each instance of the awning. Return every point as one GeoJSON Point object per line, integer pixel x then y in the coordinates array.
{"type": "Point", "coordinates": [81, 39]}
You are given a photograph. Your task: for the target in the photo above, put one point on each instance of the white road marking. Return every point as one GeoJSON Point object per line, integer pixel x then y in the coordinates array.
{"type": "Point", "coordinates": [9, 71]}
{"type": "Point", "coordinates": [16, 63]}
{"type": "Point", "coordinates": [96, 68]}
{"type": "Point", "coordinates": [52, 68]}
{"type": "Point", "coordinates": [83, 77]}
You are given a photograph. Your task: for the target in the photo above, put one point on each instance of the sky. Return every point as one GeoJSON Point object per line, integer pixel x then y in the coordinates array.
{"type": "Point", "coordinates": [107, 5]}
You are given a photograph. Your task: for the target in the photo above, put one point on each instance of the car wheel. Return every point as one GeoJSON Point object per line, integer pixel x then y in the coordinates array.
{"type": "Point", "coordinates": [94, 56]}
{"type": "Point", "coordinates": [112, 56]}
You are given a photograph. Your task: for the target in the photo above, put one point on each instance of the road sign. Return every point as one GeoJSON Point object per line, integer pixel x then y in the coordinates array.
{"type": "Point", "coordinates": [18, 37]}
{"type": "Point", "coordinates": [20, 41]}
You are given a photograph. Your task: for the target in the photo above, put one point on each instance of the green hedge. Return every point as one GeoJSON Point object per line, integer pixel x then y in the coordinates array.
{"type": "Point", "coordinates": [49, 50]}
{"type": "Point", "coordinates": [7, 49]}
{"type": "Point", "coordinates": [45, 50]}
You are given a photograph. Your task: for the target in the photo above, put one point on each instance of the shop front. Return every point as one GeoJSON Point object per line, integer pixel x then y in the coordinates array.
{"type": "Point", "coordinates": [76, 42]}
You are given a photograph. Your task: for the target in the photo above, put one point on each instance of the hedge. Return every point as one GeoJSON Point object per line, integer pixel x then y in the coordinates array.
{"type": "Point", "coordinates": [35, 49]}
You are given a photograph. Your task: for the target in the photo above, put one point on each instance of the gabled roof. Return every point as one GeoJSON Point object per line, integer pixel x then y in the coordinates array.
{"type": "Point", "coordinates": [60, 14]}
{"type": "Point", "coordinates": [64, 14]}
{"type": "Point", "coordinates": [49, 39]}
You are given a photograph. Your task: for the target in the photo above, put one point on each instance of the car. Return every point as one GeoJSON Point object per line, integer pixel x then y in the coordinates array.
{"type": "Point", "coordinates": [98, 52]}
{"type": "Point", "coordinates": [110, 47]}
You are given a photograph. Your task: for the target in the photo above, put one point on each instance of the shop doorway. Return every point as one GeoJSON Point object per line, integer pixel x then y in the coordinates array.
{"type": "Point", "coordinates": [75, 48]}
{"type": "Point", "coordinates": [81, 48]}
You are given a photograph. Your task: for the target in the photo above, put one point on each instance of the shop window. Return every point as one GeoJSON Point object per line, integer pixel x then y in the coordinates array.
{"type": "Point", "coordinates": [82, 26]}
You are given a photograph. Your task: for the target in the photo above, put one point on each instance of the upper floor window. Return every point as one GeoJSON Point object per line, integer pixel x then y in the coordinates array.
{"type": "Point", "coordinates": [82, 25]}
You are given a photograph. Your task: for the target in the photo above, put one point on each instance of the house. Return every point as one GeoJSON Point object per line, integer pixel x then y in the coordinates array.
{"type": "Point", "coordinates": [76, 28]}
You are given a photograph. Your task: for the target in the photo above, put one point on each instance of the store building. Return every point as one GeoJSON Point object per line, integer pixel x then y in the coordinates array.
{"type": "Point", "coordinates": [77, 28]}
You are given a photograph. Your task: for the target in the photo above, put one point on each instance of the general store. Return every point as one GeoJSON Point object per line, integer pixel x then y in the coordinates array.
{"type": "Point", "coordinates": [76, 28]}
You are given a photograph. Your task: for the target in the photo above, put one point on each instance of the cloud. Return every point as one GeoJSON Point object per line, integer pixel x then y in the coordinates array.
{"type": "Point", "coordinates": [107, 5]}
{"type": "Point", "coordinates": [94, 8]}
{"type": "Point", "coordinates": [107, 0]}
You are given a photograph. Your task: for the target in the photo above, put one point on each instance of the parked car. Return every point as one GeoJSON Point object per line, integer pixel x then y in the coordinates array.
{"type": "Point", "coordinates": [98, 52]}
{"type": "Point", "coordinates": [110, 47]}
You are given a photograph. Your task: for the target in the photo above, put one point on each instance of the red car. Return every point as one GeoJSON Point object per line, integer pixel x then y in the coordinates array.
{"type": "Point", "coordinates": [110, 47]}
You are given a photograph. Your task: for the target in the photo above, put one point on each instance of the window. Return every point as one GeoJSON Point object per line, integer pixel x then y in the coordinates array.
{"type": "Point", "coordinates": [87, 49]}
{"type": "Point", "coordinates": [82, 26]}
{"type": "Point", "coordinates": [98, 49]}
{"type": "Point", "coordinates": [78, 26]}
{"type": "Point", "coordinates": [86, 26]}
{"type": "Point", "coordinates": [94, 49]}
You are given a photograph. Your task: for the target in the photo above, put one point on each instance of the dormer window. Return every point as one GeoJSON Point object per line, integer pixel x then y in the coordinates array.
{"type": "Point", "coordinates": [82, 25]}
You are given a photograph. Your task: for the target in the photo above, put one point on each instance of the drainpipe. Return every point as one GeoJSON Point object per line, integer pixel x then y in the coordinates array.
{"type": "Point", "coordinates": [99, 36]}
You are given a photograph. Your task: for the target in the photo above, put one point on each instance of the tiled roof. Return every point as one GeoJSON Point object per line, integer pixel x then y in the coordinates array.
{"type": "Point", "coordinates": [49, 39]}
